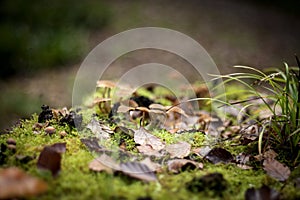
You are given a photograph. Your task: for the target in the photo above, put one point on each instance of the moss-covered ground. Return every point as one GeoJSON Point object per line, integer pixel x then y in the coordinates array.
{"type": "Point", "coordinates": [77, 181]}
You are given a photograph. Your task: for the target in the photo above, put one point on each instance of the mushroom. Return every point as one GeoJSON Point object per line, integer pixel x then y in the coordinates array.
{"type": "Point", "coordinates": [105, 100]}
{"type": "Point", "coordinates": [107, 85]}
{"type": "Point", "coordinates": [157, 115]}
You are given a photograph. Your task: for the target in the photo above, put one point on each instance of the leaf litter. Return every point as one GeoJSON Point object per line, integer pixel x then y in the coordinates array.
{"type": "Point", "coordinates": [155, 154]}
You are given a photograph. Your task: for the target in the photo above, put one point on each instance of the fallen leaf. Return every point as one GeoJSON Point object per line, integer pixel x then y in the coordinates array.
{"type": "Point", "coordinates": [92, 144]}
{"type": "Point", "coordinates": [178, 165]}
{"type": "Point", "coordinates": [276, 169]}
{"type": "Point", "coordinates": [142, 137]}
{"type": "Point", "coordinates": [249, 134]}
{"type": "Point", "coordinates": [262, 193]}
{"type": "Point", "coordinates": [99, 130]}
{"type": "Point", "coordinates": [149, 151]}
{"type": "Point", "coordinates": [242, 158]}
{"type": "Point", "coordinates": [155, 167]}
{"type": "Point", "coordinates": [15, 183]}
{"type": "Point", "coordinates": [104, 163]}
{"type": "Point", "coordinates": [270, 154]}
{"type": "Point", "coordinates": [217, 155]}
{"type": "Point", "coordinates": [202, 151]}
{"type": "Point", "coordinates": [138, 170]}
{"type": "Point", "coordinates": [179, 150]}
{"type": "Point", "coordinates": [50, 158]}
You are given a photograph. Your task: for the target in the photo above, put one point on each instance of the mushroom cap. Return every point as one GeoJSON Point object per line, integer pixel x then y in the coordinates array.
{"type": "Point", "coordinates": [100, 100]}
{"type": "Point", "coordinates": [177, 109]}
{"type": "Point", "coordinates": [156, 106]}
{"type": "Point", "coordinates": [105, 84]}
{"type": "Point", "coordinates": [143, 109]}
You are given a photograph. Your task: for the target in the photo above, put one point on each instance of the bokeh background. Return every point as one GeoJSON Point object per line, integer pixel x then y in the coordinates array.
{"type": "Point", "coordinates": [42, 43]}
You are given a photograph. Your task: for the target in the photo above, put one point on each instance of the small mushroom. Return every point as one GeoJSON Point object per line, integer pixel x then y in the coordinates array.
{"type": "Point", "coordinates": [176, 109]}
{"type": "Point", "coordinates": [145, 111]}
{"type": "Point", "coordinates": [105, 100]}
{"type": "Point", "coordinates": [50, 130]}
{"type": "Point", "coordinates": [107, 85]}
{"type": "Point", "coordinates": [12, 147]}
{"type": "Point", "coordinates": [157, 115]}
{"type": "Point", "coordinates": [11, 141]}
{"type": "Point", "coordinates": [62, 134]}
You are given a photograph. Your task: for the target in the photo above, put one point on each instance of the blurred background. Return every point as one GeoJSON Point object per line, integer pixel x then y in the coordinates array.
{"type": "Point", "coordinates": [42, 43]}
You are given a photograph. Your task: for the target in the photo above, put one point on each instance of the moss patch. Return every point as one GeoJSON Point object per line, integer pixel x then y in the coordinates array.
{"type": "Point", "coordinates": [76, 181]}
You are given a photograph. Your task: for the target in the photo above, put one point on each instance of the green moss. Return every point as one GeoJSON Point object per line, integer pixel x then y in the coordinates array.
{"type": "Point", "coordinates": [76, 181]}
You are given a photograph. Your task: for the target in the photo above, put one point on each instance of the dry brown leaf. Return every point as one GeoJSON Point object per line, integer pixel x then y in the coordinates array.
{"type": "Point", "coordinates": [50, 158]}
{"type": "Point", "coordinates": [15, 183]}
{"type": "Point", "coordinates": [152, 165]}
{"type": "Point", "coordinates": [179, 150]}
{"type": "Point", "coordinates": [104, 163]}
{"type": "Point", "coordinates": [149, 151]}
{"type": "Point", "coordinates": [178, 165]}
{"type": "Point", "coordinates": [217, 155]}
{"type": "Point", "coordinates": [142, 137]}
{"type": "Point", "coordinates": [99, 130]}
{"type": "Point", "coordinates": [270, 154]}
{"type": "Point", "coordinates": [202, 151]}
{"type": "Point", "coordinates": [276, 169]}
{"type": "Point", "coordinates": [139, 171]}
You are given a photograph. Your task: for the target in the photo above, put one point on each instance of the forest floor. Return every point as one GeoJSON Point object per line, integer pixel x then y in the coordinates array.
{"type": "Point", "coordinates": [127, 158]}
